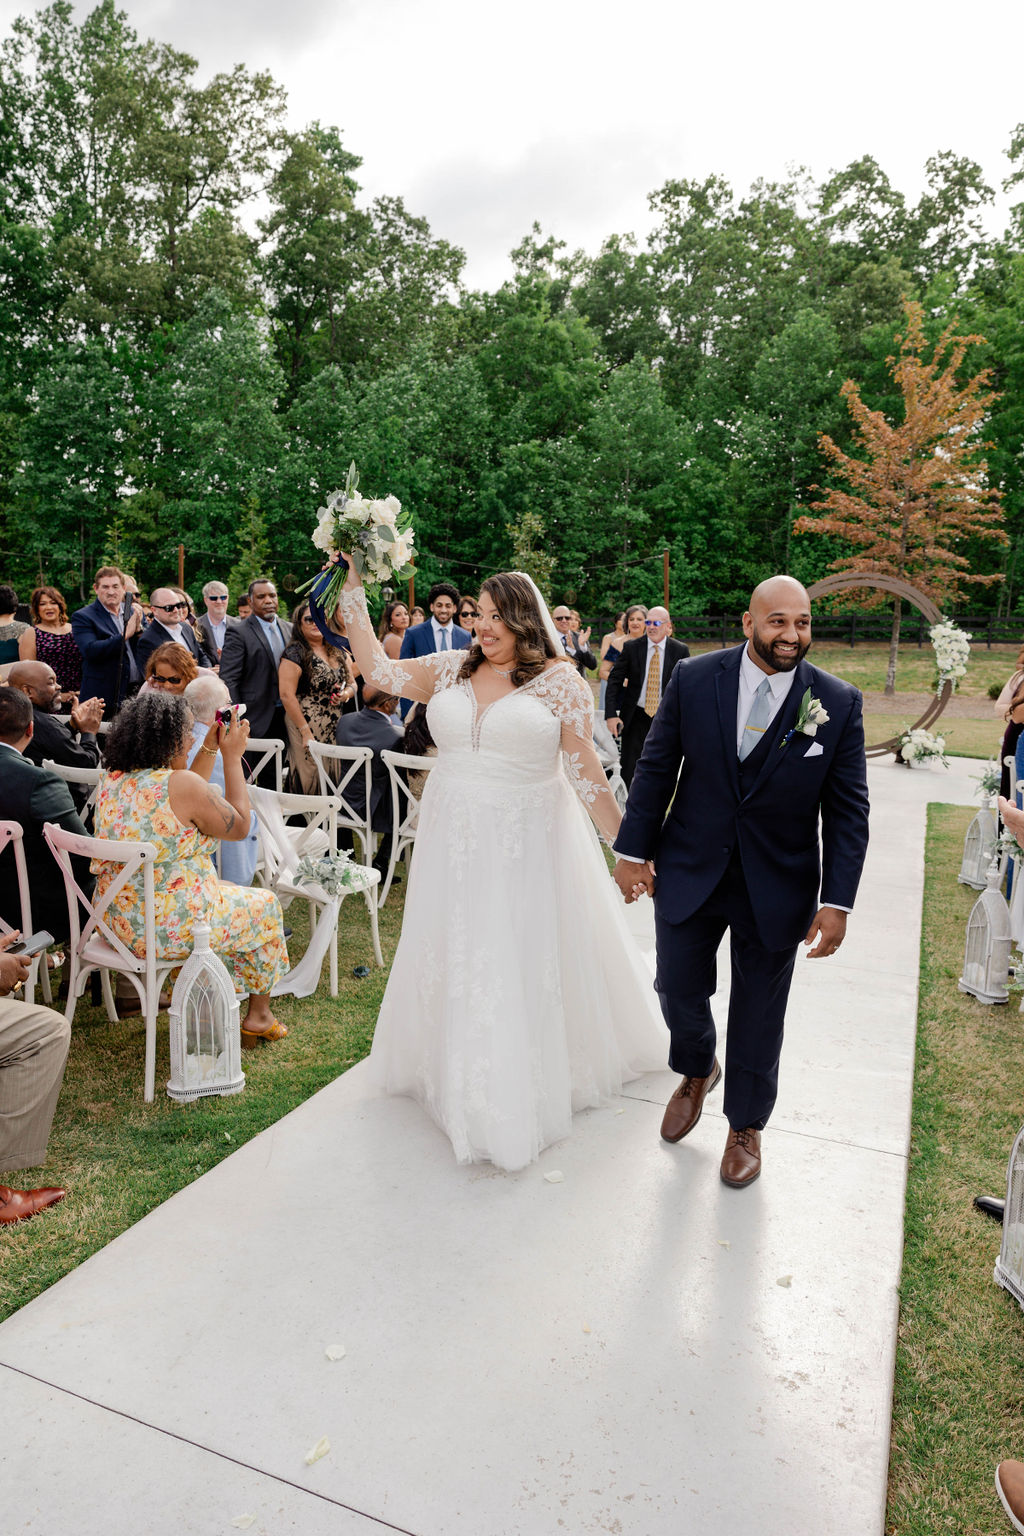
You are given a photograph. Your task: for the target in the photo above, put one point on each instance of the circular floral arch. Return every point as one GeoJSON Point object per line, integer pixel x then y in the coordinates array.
{"type": "Point", "coordinates": [848, 581]}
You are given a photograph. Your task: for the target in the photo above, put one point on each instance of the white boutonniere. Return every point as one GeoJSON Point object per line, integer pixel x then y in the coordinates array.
{"type": "Point", "coordinates": [812, 713]}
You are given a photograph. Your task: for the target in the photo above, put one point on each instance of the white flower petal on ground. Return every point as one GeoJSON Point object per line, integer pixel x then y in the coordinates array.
{"type": "Point", "coordinates": [785, 1281]}
{"type": "Point", "coordinates": [556, 1176]}
{"type": "Point", "coordinates": [335, 1351]}
{"type": "Point", "coordinates": [321, 1448]}
{"type": "Point", "coordinates": [243, 1522]}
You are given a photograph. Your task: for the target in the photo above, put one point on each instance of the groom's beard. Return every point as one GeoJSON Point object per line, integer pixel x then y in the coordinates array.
{"type": "Point", "coordinates": [778, 663]}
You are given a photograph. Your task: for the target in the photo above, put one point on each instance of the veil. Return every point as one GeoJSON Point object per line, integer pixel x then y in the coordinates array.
{"type": "Point", "coordinates": [545, 613]}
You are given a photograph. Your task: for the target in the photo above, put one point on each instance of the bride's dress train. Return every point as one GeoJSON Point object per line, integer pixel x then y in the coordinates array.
{"type": "Point", "coordinates": [517, 995]}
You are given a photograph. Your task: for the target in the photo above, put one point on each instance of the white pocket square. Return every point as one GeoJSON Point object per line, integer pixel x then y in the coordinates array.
{"type": "Point", "coordinates": [814, 750]}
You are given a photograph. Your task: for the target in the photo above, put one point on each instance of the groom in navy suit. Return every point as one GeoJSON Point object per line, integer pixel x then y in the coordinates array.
{"type": "Point", "coordinates": [439, 632]}
{"type": "Point", "coordinates": [748, 749]}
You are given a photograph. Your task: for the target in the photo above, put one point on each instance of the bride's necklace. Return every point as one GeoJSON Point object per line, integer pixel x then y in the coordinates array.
{"type": "Point", "coordinates": [499, 671]}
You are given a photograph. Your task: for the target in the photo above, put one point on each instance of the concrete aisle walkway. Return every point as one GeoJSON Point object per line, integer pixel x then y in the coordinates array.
{"type": "Point", "coordinates": [634, 1349]}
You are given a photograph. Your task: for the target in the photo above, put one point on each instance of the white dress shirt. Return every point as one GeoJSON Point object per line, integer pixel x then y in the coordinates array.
{"type": "Point", "coordinates": [751, 677]}
{"type": "Point", "coordinates": [218, 631]}
{"type": "Point", "coordinates": [443, 629]}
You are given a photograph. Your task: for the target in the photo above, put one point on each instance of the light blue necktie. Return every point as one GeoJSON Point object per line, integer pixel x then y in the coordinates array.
{"type": "Point", "coordinates": [758, 719]}
{"type": "Point", "coordinates": [444, 640]}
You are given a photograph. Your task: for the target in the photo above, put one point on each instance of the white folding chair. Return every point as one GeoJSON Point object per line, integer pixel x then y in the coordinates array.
{"type": "Point", "coordinates": [337, 767]}
{"type": "Point", "coordinates": [258, 752]}
{"type": "Point", "coordinates": [12, 836]}
{"type": "Point", "coordinates": [90, 776]}
{"type": "Point", "coordinates": [282, 847]}
{"type": "Point", "coordinates": [405, 808]}
{"type": "Point", "coordinates": [96, 947]}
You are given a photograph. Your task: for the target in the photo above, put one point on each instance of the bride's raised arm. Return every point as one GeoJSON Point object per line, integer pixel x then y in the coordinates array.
{"type": "Point", "coordinates": [569, 698]}
{"type": "Point", "coordinates": [417, 678]}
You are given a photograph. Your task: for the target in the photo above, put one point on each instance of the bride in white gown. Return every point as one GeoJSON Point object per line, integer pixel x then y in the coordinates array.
{"type": "Point", "coordinates": [517, 994]}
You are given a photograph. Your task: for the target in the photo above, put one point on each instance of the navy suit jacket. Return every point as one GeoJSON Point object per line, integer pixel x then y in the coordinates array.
{"type": "Point", "coordinates": [686, 810]}
{"type": "Point", "coordinates": [418, 639]}
{"type": "Point", "coordinates": [101, 642]}
{"type": "Point", "coordinates": [155, 635]}
{"type": "Point", "coordinates": [369, 728]}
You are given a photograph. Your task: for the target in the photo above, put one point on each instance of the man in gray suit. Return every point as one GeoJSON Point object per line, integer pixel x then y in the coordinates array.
{"type": "Point", "coordinates": [213, 625]}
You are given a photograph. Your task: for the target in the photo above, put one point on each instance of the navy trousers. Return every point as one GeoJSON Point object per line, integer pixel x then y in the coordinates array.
{"type": "Point", "coordinates": [685, 983]}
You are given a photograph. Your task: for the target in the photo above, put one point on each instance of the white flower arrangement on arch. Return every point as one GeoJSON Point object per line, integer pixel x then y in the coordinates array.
{"type": "Point", "coordinates": [952, 651]}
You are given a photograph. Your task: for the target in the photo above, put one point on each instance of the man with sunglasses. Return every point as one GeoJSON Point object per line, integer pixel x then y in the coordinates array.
{"type": "Point", "coordinates": [638, 680]}
{"type": "Point", "coordinates": [575, 645]}
{"type": "Point", "coordinates": [170, 622]}
{"type": "Point", "coordinates": [213, 625]}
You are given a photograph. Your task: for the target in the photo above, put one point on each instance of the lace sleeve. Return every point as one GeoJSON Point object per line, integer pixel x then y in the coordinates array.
{"type": "Point", "coordinates": [414, 677]}
{"type": "Point", "coordinates": [570, 700]}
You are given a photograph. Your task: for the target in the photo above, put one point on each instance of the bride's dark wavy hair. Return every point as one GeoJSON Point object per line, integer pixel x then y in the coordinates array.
{"type": "Point", "coordinates": [517, 608]}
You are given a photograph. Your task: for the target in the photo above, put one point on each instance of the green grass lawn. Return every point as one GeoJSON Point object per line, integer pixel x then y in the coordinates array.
{"type": "Point", "coordinates": [119, 1157]}
{"type": "Point", "coordinates": [958, 1405]}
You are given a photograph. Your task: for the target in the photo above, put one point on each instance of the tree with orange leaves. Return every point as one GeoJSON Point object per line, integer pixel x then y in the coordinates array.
{"type": "Point", "coordinates": [918, 491]}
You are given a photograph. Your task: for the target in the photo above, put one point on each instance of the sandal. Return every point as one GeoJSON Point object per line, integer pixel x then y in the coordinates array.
{"type": "Point", "coordinates": [251, 1038]}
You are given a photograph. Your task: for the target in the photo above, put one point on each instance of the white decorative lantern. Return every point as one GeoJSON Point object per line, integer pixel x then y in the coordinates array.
{"type": "Point", "coordinates": [206, 1045]}
{"type": "Point", "coordinates": [987, 952]}
{"type": "Point", "coordinates": [979, 848]}
{"type": "Point", "coordinates": [1009, 1271]}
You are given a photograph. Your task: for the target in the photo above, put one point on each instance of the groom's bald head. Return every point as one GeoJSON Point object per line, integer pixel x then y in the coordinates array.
{"type": "Point", "coordinates": [778, 624]}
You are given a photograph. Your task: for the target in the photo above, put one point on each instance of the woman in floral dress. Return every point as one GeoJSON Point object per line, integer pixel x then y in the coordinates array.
{"type": "Point", "coordinates": [316, 682]}
{"type": "Point", "coordinates": [147, 794]}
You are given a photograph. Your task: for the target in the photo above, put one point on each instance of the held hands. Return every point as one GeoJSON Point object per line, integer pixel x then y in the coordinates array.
{"type": "Point", "coordinates": [634, 880]}
{"type": "Point", "coordinates": [829, 928]}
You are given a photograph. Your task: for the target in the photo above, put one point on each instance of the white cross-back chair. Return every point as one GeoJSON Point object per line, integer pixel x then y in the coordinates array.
{"type": "Point", "coordinates": [338, 767]}
{"type": "Point", "coordinates": [96, 947]}
{"type": "Point", "coordinates": [88, 776]}
{"type": "Point", "coordinates": [405, 808]}
{"type": "Point", "coordinates": [12, 836]}
{"type": "Point", "coordinates": [259, 750]}
{"type": "Point", "coordinates": [282, 847]}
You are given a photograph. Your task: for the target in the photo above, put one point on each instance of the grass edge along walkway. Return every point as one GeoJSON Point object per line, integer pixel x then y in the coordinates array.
{"type": "Point", "coordinates": [958, 1402]}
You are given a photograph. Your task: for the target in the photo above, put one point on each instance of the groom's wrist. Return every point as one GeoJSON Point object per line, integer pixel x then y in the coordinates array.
{"type": "Point", "coordinates": [630, 858]}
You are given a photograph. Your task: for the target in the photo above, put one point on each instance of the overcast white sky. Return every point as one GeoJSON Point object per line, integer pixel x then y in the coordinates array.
{"type": "Point", "coordinates": [486, 117]}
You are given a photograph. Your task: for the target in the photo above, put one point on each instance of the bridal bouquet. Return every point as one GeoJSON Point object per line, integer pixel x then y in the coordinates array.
{"type": "Point", "coordinates": [375, 535]}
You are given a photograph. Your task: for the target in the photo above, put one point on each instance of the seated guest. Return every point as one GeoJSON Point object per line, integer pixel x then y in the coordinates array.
{"type": "Point", "coordinates": [170, 623]}
{"type": "Point", "coordinates": [51, 639]}
{"type": "Point", "coordinates": [147, 794]}
{"type": "Point", "coordinates": [32, 796]}
{"type": "Point", "coordinates": [205, 695]}
{"type": "Point", "coordinates": [11, 628]}
{"type": "Point", "coordinates": [74, 745]}
{"type": "Point", "coordinates": [316, 682]}
{"type": "Point", "coordinates": [377, 726]}
{"type": "Point", "coordinates": [106, 641]}
{"type": "Point", "coordinates": [418, 742]}
{"type": "Point", "coordinates": [33, 1049]}
{"type": "Point", "coordinates": [170, 669]}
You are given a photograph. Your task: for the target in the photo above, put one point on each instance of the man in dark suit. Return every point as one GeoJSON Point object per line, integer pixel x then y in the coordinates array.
{"type": "Point", "coordinates": [249, 660]}
{"type": "Point", "coordinates": [213, 625]}
{"type": "Point", "coordinates": [750, 747]}
{"type": "Point", "coordinates": [170, 622]}
{"type": "Point", "coordinates": [106, 640]}
{"type": "Point", "coordinates": [439, 632]}
{"type": "Point", "coordinates": [32, 796]}
{"type": "Point", "coordinates": [636, 685]}
{"type": "Point", "coordinates": [74, 745]}
{"type": "Point", "coordinates": [373, 726]}
{"type": "Point", "coordinates": [575, 645]}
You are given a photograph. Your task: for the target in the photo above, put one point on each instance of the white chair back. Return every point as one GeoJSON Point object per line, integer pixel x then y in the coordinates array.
{"type": "Point", "coordinates": [259, 750]}
{"type": "Point", "coordinates": [405, 807]}
{"type": "Point", "coordinates": [89, 776]}
{"type": "Point", "coordinates": [96, 946]}
{"type": "Point", "coordinates": [337, 768]}
{"type": "Point", "coordinates": [12, 836]}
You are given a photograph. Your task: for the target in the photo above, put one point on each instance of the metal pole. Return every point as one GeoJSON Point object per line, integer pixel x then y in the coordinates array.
{"type": "Point", "coordinates": [664, 560]}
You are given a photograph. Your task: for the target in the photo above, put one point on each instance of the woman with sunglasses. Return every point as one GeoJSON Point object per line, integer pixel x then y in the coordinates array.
{"type": "Point", "coordinates": [393, 625]}
{"type": "Point", "coordinates": [170, 669]}
{"type": "Point", "coordinates": [316, 681]}
{"type": "Point", "coordinates": [469, 613]}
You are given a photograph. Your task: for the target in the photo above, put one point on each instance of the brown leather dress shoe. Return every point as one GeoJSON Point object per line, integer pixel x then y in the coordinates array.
{"type": "Point", "coordinates": [1010, 1488]}
{"type": "Point", "coordinates": [741, 1160]}
{"type": "Point", "coordinates": [20, 1204]}
{"type": "Point", "coordinates": [686, 1105]}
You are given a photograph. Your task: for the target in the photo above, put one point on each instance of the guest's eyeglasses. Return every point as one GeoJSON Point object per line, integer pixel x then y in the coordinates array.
{"type": "Point", "coordinates": [562, 618]}
{"type": "Point", "coordinates": [212, 599]}
{"type": "Point", "coordinates": [654, 623]}
{"type": "Point", "coordinates": [469, 613]}
{"type": "Point", "coordinates": [171, 607]}
{"type": "Point", "coordinates": [164, 682]}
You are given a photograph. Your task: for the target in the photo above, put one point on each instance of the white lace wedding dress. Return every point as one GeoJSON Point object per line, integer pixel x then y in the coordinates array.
{"type": "Point", "coordinates": [517, 994]}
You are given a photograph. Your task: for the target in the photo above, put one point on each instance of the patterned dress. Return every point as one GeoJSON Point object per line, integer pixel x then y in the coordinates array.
{"type": "Point", "coordinates": [10, 634]}
{"type": "Point", "coordinates": [318, 680]}
{"type": "Point", "coordinates": [62, 654]}
{"type": "Point", "coordinates": [246, 928]}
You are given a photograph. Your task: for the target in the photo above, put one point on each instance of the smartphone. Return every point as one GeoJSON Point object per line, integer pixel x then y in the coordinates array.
{"type": "Point", "coordinates": [33, 945]}
{"type": "Point", "coordinates": [238, 710]}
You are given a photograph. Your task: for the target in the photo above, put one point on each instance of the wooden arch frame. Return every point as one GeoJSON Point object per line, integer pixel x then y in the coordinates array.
{"type": "Point", "coordinates": [848, 581]}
